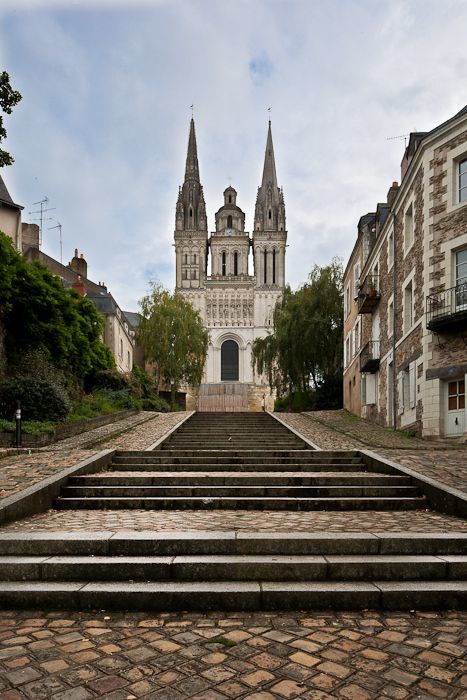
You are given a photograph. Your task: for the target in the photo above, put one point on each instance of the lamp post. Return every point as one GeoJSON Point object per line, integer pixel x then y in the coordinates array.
{"type": "Point", "coordinates": [18, 424]}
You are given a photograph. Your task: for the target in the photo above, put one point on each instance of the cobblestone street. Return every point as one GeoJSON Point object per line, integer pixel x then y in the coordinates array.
{"type": "Point", "coordinates": [354, 656]}
{"type": "Point", "coordinates": [216, 656]}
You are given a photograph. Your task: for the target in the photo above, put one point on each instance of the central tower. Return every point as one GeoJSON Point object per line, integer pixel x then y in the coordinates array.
{"type": "Point", "coordinates": [235, 305]}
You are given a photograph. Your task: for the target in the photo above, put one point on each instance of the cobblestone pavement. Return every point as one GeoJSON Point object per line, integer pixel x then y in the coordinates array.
{"type": "Point", "coordinates": [91, 437]}
{"type": "Point", "coordinates": [216, 656]}
{"type": "Point", "coordinates": [22, 470]}
{"type": "Point", "coordinates": [435, 460]}
{"type": "Point", "coordinates": [252, 521]}
{"type": "Point", "coordinates": [449, 466]}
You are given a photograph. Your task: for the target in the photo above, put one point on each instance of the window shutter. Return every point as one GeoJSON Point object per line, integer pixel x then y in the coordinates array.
{"type": "Point", "coordinates": [412, 385]}
{"type": "Point", "coordinates": [400, 391]}
{"type": "Point", "coordinates": [371, 389]}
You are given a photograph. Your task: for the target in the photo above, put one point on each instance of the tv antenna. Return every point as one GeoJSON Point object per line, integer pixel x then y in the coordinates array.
{"type": "Point", "coordinates": [41, 211]}
{"type": "Point", "coordinates": [402, 136]}
{"type": "Point", "coordinates": [59, 226]}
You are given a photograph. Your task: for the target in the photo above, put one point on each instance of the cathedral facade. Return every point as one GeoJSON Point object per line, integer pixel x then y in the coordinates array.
{"type": "Point", "coordinates": [233, 279]}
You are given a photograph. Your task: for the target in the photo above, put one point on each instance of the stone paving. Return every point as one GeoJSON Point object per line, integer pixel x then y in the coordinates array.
{"type": "Point", "coordinates": [217, 656]}
{"type": "Point", "coordinates": [438, 461]}
{"type": "Point", "coordinates": [252, 521]}
{"type": "Point", "coordinates": [25, 469]}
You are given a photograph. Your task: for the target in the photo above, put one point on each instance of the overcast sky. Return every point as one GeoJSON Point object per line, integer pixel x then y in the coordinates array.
{"type": "Point", "coordinates": [107, 86]}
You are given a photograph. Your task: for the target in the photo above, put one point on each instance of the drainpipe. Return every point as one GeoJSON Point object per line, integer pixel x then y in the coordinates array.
{"type": "Point", "coordinates": [394, 298]}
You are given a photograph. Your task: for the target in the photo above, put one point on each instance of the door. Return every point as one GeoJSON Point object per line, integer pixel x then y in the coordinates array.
{"type": "Point", "coordinates": [229, 361]}
{"type": "Point", "coordinates": [455, 408]}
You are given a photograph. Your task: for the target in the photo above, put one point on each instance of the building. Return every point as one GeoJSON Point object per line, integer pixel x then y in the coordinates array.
{"type": "Point", "coordinates": [10, 217]}
{"type": "Point", "coordinates": [214, 273]}
{"type": "Point", "coordinates": [118, 333]}
{"type": "Point", "coordinates": [405, 293]}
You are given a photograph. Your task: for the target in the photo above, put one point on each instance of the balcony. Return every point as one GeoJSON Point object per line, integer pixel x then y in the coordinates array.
{"type": "Point", "coordinates": [369, 295]}
{"type": "Point", "coordinates": [369, 357]}
{"type": "Point", "coordinates": [446, 312]}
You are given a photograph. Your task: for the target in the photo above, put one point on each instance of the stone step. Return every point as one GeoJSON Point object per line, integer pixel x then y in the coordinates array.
{"type": "Point", "coordinates": [232, 467]}
{"type": "Point", "coordinates": [238, 491]}
{"type": "Point", "coordinates": [227, 444]}
{"type": "Point", "coordinates": [150, 543]}
{"type": "Point", "coordinates": [243, 503]}
{"type": "Point", "coordinates": [235, 595]}
{"type": "Point", "coordinates": [227, 478]}
{"type": "Point", "coordinates": [320, 455]}
{"type": "Point", "coordinates": [161, 457]}
{"type": "Point", "coordinates": [234, 568]}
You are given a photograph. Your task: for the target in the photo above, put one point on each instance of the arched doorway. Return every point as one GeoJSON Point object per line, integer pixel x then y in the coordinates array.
{"type": "Point", "coordinates": [229, 361]}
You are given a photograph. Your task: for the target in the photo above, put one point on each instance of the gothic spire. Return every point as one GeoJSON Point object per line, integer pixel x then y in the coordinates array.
{"type": "Point", "coordinates": [269, 170]}
{"type": "Point", "coordinates": [192, 168]}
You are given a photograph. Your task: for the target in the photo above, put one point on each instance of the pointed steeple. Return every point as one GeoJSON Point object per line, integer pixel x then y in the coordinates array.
{"type": "Point", "coordinates": [192, 167]}
{"type": "Point", "coordinates": [270, 209]}
{"type": "Point", "coordinates": [269, 170]}
{"type": "Point", "coordinates": [191, 208]}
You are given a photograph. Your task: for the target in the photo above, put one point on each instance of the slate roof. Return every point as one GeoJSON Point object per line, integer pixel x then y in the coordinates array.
{"type": "Point", "coordinates": [5, 197]}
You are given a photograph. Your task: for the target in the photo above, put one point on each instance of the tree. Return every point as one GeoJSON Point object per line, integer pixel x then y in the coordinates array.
{"type": "Point", "coordinates": [9, 98]}
{"type": "Point", "coordinates": [37, 313]}
{"type": "Point", "coordinates": [173, 337]}
{"type": "Point", "coordinates": [304, 354]}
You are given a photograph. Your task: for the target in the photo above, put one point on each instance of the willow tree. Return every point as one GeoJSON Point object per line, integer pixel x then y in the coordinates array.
{"type": "Point", "coordinates": [174, 339]}
{"type": "Point", "coordinates": [303, 355]}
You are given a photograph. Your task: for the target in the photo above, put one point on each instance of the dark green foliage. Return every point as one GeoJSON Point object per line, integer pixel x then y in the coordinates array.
{"type": "Point", "coordinates": [144, 382]}
{"type": "Point", "coordinates": [157, 403]}
{"type": "Point", "coordinates": [39, 314]}
{"type": "Point", "coordinates": [40, 399]}
{"type": "Point", "coordinates": [28, 427]}
{"type": "Point", "coordinates": [302, 358]}
{"type": "Point", "coordinates": [9, 98]}
{"type": "Point", "coordinates": [110, 379]}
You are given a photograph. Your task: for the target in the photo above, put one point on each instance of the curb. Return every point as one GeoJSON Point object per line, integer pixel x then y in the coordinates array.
{"type": "Point", "coordinates": [296, 432]}
{"type": "Point", "coordinates": [168, 433]}
{"type": "Point", "coordinates": [38, 498]}
{"type": "Point", "coordinates": [440, 497]}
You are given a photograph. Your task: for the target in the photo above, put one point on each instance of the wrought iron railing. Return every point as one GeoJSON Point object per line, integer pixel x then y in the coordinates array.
{"type": "Point", "coordinates": [370, 356]}
{"type": "Point", "coordinates": [369, 293]}
{"type": "Point", "coordinates": [446, 307]}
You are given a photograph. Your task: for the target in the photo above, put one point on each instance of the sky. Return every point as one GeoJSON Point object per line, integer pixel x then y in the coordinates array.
{"type": "Point", "coordinates": [107, 85]}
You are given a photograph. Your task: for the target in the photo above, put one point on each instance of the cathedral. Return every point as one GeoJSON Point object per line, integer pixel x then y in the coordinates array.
{"type": "Point", "coordinates": [235, 292]}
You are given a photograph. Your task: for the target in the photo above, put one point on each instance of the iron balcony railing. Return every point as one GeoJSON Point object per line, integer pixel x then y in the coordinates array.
{"type": "Point", "coordinates": [447, 310]}
{"type": "Point", "coordinates": [370, 357]}
{"type": "Point", "coordinates": [369, 294]}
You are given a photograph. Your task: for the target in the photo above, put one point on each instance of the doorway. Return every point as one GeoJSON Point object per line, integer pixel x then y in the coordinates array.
{"type": "Point", "coordinates": [229, 361]}
{"type": "Point", "coordinates": [455, 408]}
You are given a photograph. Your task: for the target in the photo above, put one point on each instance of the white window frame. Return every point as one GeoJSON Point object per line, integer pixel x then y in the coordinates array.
{"type": "Point", "coordinates": [454, 157]}
{"type": "Point", "coordinates": [391, 249]}
{"type": "Point", "coordinates": [408, 281]}
{"type": "Point", "coordinates": [356, 277]}
{"type": "Point", "coordinates": [408, 245]}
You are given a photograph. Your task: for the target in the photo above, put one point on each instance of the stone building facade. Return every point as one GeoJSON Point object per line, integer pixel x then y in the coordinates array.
{"type": "Point", "coordinates": [10, 217]}
{"type": "Point", "coordinates": [405, 286]}
{"type": "Point", "coordinates": [214, 273]}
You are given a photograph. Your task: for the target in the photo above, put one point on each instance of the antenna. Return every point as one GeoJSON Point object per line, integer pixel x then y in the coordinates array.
{"type": "Point", "coordinates": [41, 213]}
{"type": "Point", "coordinates": [59, 226]}
{"type": "Point", "coordinates": [402, 136]}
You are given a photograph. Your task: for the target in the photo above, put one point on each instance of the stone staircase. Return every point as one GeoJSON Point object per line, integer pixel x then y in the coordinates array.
{"type": "Point", "coordinates": [236, 461]}
{"type": "Point", "coordinates": [239, 461]}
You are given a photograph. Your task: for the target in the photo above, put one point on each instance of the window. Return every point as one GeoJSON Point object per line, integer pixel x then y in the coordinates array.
{"type": "Point", "coordinates": [347, 301]}
{"type": "Point", "coordinates": [230, 199]}
{"type": "Point", "coordinates": [456, 395]}
{"type": "Point", "coordinates": [193, 274]}
{"type": "Point", "coordinates": [274, 266]}
{"type": "Point", "coordinates": [121, 348]}
{"type": "Point", "coordinates": [408, 307]}
{"type": "Point", "coordinates": [356, 276]}
{"type": "Point", "coordinates": [194, 259]}
{"type": "Point", "coordinates": [407, 388]}
{"type": "Point", "coordinates": [369, 389]}
{"type": "Point", "coordinates": [185, 258]}
{"type": "Point", "coordinates": [357, 333]}
{"type": "Point", "coordinates": [463, 180]}
{"type": "Point", "coordinates": [185, 274]}
{"type": "Point", "coordinates": [390, 250]}
{"type": "Point", "coordinates": [229, 221]}
{"type": "Point", "coordinates": [347, 351]}
{"type": "Point", "coordinates": [265, 266]}
{"type": "Point", "coordinates": [235, 264]}
{"type": "Point", "coordinates": [191, 213]}
{"type": "Point", "coordinates": [461, 279]}
{"type": "Point", "coordinates": [128, 360]}
{"type": "Point", "coordinates": [224, 264]}
{"type": "Point", "coordinates": [408, 228]}
{"type": "Point", "coordinates": [269, 215]}
{"type": "Point", "coordinates": [390, 318]}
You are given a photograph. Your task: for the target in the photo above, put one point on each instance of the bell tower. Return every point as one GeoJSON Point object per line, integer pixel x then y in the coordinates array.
{"type": "Point", "coordinates": [191, 229]}
{"type": "Point", "coordinates": [269, 234]}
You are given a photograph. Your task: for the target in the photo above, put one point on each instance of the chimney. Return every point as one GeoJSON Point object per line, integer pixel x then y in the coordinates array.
{"type": "Point", "coordinates": [79, 265]}
{"type": "Point", "coordinates": [30, 235]}
{"type": "Point", "coordinates": [392, 193]}
{"type": "Point", "coordinates": [79, 287]}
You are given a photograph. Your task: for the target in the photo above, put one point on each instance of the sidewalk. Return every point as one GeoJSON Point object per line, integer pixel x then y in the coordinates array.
{"type": "Point", "coordinates": [22, 470]}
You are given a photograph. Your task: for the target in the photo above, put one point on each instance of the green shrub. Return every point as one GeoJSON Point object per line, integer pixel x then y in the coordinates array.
{"type": "Point", "coordinates": [143, 381]}
{"type": "Point", "coordinates": [40, 399]}
{"type": "Point", "coordinates": [110, 379]}
{"type": "Point", "coordinates": [155, 404]}
{"type": "Point", "coordinates": [32, 427]}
